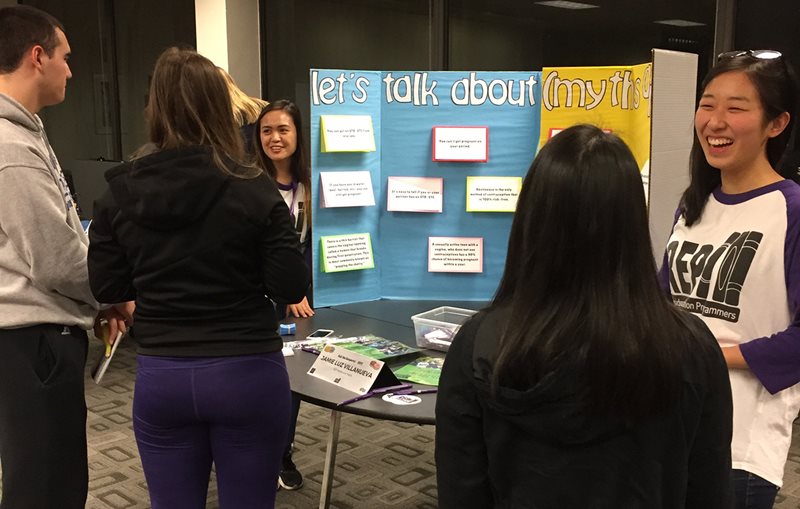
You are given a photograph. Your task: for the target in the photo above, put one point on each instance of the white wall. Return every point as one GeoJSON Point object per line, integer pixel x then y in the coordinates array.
{"type": "Point", "coordinates": [212, 32]}
{"type": "Point", "coordinates": [244, 45]}
{"type": "Point", "coordinates": [228, 34]}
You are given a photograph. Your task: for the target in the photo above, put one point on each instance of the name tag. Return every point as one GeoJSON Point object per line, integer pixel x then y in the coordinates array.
{"type": "Point", "coordinates": [345, 368]}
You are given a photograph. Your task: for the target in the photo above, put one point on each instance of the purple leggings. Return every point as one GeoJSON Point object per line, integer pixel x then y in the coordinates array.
{"type": "Point", "coordinates": [232, 411]}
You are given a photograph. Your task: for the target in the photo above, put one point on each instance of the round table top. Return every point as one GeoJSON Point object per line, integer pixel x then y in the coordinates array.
{"type": "Point", "coordinates": [387, 319]}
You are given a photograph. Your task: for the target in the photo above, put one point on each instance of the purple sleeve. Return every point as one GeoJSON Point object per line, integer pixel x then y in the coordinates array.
{"type": "Point", "coordinates": [775, 360]}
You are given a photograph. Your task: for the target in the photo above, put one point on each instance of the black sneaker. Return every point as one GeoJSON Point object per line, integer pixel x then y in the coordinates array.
{"type": "Point", "coordinates": [290, 478]}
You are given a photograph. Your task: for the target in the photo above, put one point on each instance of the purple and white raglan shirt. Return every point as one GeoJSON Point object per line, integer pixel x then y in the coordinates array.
{"type": "Point", "coordinates": [738, 269]}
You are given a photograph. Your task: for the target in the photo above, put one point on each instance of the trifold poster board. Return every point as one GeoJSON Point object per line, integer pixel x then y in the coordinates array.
{"type": "Point", "coordinates": [487, 125]}
{"type": "Point", "coordinates": [442, 156]}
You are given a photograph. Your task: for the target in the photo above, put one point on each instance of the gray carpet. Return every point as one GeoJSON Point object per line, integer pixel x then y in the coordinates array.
{"type": "Point", "coordinates": [379, 465]}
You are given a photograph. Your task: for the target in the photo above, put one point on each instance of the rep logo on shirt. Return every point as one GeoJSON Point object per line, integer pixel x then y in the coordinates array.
{"type": "Point", "coordinates": [708, 279]}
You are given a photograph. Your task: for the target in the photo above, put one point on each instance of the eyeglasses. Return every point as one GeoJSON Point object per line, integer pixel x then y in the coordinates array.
{"type": "Point", "coordinates": [764, 54]}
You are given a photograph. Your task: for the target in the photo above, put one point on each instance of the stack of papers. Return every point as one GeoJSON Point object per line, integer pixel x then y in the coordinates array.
{"type": "Point", "coordinates": [424, 370]}
{"type": "Point", "coordinates": [376, 347]}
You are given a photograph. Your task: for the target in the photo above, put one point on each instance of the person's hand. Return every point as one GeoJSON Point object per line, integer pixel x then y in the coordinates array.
{"type": "Point", "coordinates": [126, 309]}
{"type": "Point", "coordinates": [107, 326]}
{"type": "Point", "coordinates": [300, 310]}
{"type": "Point", "coordinates": [113, 321]}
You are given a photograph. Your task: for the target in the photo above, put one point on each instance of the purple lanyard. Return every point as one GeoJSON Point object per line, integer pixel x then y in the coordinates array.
{"type": "Point", "coordinates": [293, 187]}
{"type": "Point", "coordinates": [375, 392]}
{"type": "Point", "coordinates": [294, 197]}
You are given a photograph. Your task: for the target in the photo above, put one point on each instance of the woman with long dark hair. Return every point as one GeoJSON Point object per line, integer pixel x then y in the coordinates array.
{"type": "Point", "coordinates": [281, 153]}
{"type": "Point", "coordinates": [581, 385]}
{"type": "Point", "coordinates": [733, 258]}
{"type": "Point", "coordinates": [203, 243]}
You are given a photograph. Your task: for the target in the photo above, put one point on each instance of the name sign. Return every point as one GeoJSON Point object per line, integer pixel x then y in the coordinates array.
{"type": "Point", "coordinates": [345, 368]}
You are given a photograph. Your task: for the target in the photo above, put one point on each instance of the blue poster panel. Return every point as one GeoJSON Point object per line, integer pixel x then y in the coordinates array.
{"type": "Point", "coordinates": [497, 113]}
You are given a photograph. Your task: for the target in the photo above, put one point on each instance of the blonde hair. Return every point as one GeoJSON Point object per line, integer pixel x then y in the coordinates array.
{"type": "Point", "coordinates": [189, 105]}
{"type": "Point", "coordinates": [245, 108]}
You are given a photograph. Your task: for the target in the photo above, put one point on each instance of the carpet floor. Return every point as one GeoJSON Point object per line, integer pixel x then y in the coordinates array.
{"type": "Point", "coordinates": [380, 464]}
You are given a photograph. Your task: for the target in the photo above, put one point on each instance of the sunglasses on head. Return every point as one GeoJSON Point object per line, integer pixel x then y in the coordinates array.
{"type": "Point", "coordinates": [764, 54]}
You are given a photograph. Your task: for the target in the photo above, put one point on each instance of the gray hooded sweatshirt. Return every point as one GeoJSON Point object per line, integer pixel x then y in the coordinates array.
{"type": "Point", "coordinates": [43, 274]}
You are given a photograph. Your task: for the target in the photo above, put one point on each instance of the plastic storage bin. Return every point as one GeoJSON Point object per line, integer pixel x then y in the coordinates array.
{"type": "Point", "coordinates": [436, 328]}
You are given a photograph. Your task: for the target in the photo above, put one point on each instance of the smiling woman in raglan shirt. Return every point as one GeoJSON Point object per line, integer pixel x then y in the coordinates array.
{"type": "Point", "coordinates": [734, 260]}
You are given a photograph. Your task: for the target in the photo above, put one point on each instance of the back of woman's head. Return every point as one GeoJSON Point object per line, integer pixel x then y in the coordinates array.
{"type": "Point", "coordinates": [580, 278]}
{"type": "Point", "coordinates": [581, 218]}
{"type": "Point", "coordinates": [189, 105]}
{"type": "Point", "coordinates": [776, 84]}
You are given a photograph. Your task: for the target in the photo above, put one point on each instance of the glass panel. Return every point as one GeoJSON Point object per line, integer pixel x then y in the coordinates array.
{"type": "Point", "coordinates": [80, 127]}
{"type": "Point", "coordinates": [772, 27]}
{"type": "Point", "coordinates": [84, 126]}
{"type": "Point", "coordinates": [144, 28]}
{"type": "Point", "coordinates": [349, 34]}
{"type": "Point", "coordinates": [523, 35]}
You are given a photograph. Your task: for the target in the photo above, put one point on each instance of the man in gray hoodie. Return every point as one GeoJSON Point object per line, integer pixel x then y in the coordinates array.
{"type": "Point", "coordinates": [46, 305]}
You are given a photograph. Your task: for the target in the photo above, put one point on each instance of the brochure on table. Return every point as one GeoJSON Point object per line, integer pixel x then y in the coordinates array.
{"type": "Point", "coordinates": [450, 151]}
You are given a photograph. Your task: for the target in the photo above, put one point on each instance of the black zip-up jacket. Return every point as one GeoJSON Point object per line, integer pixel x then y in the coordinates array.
{"type": "Point", "coordinates": [201, 252]}
{"type": "Point", "coordinates": [539, 448]}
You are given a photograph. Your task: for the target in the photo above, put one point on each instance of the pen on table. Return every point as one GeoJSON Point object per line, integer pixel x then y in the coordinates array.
{"type": "Point", "coordinates": [309, 350]}
{"type": "Point", "coordinates": [357, 398]}
{"type": "Point", "coordinates": [409, 392]}
{"type": "Point", "coordinates": [374, 392]}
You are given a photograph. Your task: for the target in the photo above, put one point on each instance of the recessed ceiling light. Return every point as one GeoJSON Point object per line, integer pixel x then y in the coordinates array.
{"type": "Point", "coordinates": [680, 23]}
{"type": "Point", "coordinates": [566, 4]}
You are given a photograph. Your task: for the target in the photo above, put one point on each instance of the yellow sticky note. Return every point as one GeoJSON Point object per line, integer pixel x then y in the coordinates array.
{"type": "Point", "coordinates": [493, 194]}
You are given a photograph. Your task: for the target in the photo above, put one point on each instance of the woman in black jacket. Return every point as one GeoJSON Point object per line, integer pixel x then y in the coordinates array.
{"type": "Point", "coordinates": [203, 243]}
{"type": "Point", "coordinates": [581, 385]}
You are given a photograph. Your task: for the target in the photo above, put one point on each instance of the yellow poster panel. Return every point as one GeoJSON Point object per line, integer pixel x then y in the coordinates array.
{"type": "Point", "coordinates": [616, 99]}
